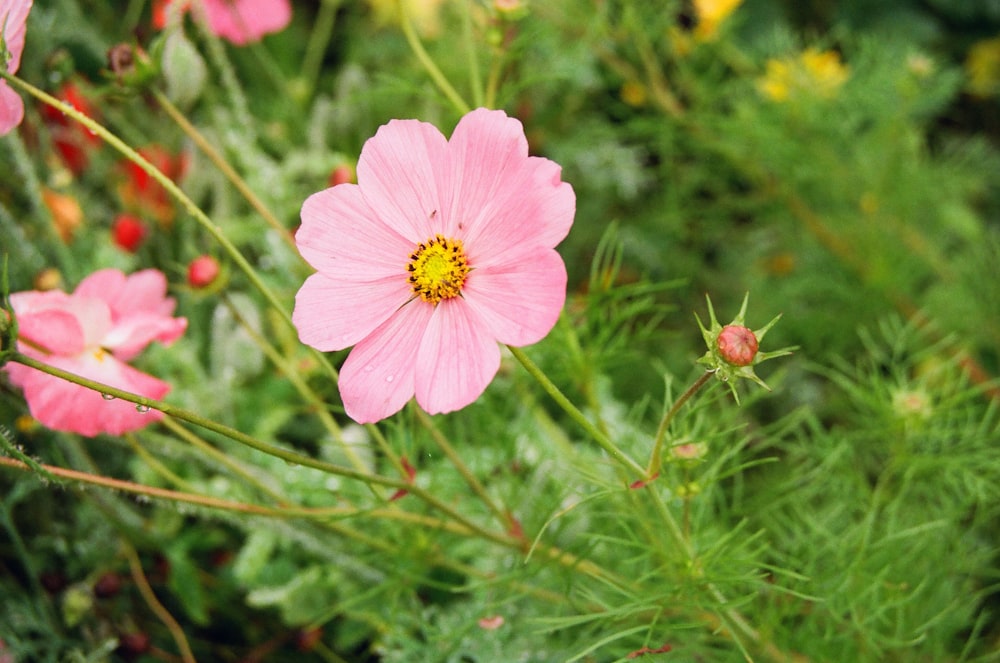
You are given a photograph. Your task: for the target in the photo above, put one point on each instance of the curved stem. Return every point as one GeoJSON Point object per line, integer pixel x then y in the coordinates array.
{"type": "Point", "coordinates": [655, 459]}
{"type": "Point", "coordinates": [164, 181]}
{"type": "Point", "coordinates": [319, 39]}
{"type": "Point", "coordinates": [135, 566]}
{"type": "Point", "coordinates": [220, 162]}
{"type": "Point", "coordinates": [440, 80]}
{"type": "Point", "coordinates": [252, 442]}
{"type": "Point", "coordinates": [603, 440]}
{"type": "Point", "coordinates": [502, 515]}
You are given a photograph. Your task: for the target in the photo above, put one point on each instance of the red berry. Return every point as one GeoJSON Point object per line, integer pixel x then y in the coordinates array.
{"type": "Point", "coordinates": [108, 585]}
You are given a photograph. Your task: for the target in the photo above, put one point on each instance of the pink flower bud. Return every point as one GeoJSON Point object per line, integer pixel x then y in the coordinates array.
{"type": "Point", "coordinates": [128, 232]}
{"type": "Point", "coordinates": [737, 345]}
{"type": "Point", "coordinates": [342, 174]}
{"type": "Point", "coordinates": [202, 271]}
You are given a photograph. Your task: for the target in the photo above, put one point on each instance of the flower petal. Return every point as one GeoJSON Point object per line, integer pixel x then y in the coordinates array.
{"type": "Point", "coordinates": [60, 323]}
{"type": "Point", "coordinates": [13, 22]}
{"type": "Point", "coordinates": [66, 406]}
{"type": "Point", "coordinates": [245, 21]}
{"type": "Point", "coordinates": [507, 202]}
{"type": "Point", "coordinates": [458, 358]}
{"type": "Point", "coordinates": [519, 302]}
{"type": "Point", "coordinates": [140, 309]}
{"type": "Point", "coordinates": [333, 315]}
{"type": "Point", "coordinates": [376, 380]}
{"type": "Point", "coordinates": [343, 238]}
{"type": "Point", "coordinates": [401, 172]}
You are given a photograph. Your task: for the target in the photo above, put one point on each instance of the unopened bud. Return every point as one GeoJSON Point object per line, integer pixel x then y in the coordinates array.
{"type": "Point", "coordinates": [342, 174]}
{"type": "Point", "coordinates": [737, 345]}
{"type": "Point", "coordinates": [203, 271]}
{"type": "Point", "coordinates": [128, 232]}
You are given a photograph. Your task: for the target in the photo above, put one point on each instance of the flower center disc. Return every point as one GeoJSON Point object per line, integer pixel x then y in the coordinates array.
{"type": "Point", "coordinates": [438, 269]}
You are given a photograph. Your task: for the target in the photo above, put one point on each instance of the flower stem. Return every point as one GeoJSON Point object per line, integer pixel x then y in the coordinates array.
{"type": "Point", "coordinates": [319, 39]}
{"type": "Point", "coordinates": [501, 515]}
{"type": "Point", "coordinates": [425, 59]}
{"type": "Point", "coordinates": [165, 182]}
{"type": "Point", "coordinates": [552, 390]}
{"type": "Point", "coordinates": [135, 566]}
{"type": "Point", "coordinates": [270, 449]}
{"type": "Point", "coordinates": [220, 162]}
{"type": "Point", "coordinates": [656, 458]}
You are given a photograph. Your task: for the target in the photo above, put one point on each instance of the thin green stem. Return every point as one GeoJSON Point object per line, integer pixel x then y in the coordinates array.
{"type": "Point", "coordinates": [155, 463]}
{"type": "Point", "coordinates": [223, 459]}
{"type": "Point", "coordinates": [220, 162]}
{"type": "Point", "coordinates": [319, 39]}
{"type": "Point", "coordinates": [552, 390]}
{"type": "Point", "coordinates": [439, 79]}
{"type": "Point", "coordinates": [252, 442]}
{"type": "Point", "coordinates": [317, 404]}
{"type": "Point", "coordinates": [168, 184]}
{"type": "Point", "coordinates": [656, 458]}
{"type": "Point", "coordinates": [475, 80]}
{"type": "Point", "coordinates": [502, 515]}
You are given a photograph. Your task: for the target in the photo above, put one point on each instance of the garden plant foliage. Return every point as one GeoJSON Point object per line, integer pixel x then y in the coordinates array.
{"type": "Point", "coordinates": [805, 466]}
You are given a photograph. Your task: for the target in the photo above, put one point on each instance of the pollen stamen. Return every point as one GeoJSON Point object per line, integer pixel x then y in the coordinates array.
{"type": "Point", "coordinates": [438, 269]}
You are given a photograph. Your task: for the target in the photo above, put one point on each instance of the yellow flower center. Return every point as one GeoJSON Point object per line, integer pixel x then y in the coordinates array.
{"type": "Point", "coordinates": [438, 269]}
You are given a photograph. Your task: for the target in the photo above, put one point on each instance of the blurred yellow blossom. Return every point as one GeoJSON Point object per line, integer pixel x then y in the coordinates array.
{"type": "Point", "coordinates": [710, 14]}
{"type": "Point", "coordinates": [814, 72]}
{"type": "Point", "coordinates": [633, 93]}
{"type": "Point", "coordinates": [66, 213]}
{"type": "Point", "coordinates": [425, 15]}
{"type": "Point", "coordinates": [982, 66]}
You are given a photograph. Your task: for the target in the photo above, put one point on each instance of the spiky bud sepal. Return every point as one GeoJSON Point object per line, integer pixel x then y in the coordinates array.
{"type": "Point", "coordinates": [733, 349]}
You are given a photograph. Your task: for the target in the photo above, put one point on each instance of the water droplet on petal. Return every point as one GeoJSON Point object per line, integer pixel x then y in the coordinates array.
{"type": "Point", "coordinates": [369, 368]}
{"type": "Point", "coordinates": [142, 409]}
{"type": "Point", "coordinates": [108, 397]}
{"type": "Point", "coordinates": [389, 378]}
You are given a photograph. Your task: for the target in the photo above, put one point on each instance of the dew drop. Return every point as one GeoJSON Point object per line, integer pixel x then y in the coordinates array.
{"type": "Point", "coordinates": [142, 409]}
{"type": "Point", "coordinates": [107, 397]}
{"type": "Point", "coordinates": [369, 368]}
{"type": "Point", "coordinates": [389, 378]}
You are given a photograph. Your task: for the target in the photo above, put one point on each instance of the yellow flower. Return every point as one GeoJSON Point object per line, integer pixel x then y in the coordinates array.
{"type": "Point", "coordinates": [820, 73]}
{"type": "Point", "coordinates": [710, 14]}
{"type": "Point", "coordinates": [982, 66]}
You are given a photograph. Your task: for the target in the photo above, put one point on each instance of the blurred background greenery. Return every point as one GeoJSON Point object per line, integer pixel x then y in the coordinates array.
{"type": "Point", "coordinates": [838, 160]}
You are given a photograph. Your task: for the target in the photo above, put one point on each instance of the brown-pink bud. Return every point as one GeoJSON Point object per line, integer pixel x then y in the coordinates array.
{"type": "Point", "coordinates": [737, 345]}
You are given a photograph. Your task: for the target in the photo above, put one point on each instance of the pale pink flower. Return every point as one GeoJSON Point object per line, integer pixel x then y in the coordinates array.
{"type": "Point", "coordinates": [442, 250]}
{"type": "Point", "coordinates": [13, 20]}
{"type": "Point", "coordinates": [239, 21]}
{"type": "Point", "coordinates": [107, 321]}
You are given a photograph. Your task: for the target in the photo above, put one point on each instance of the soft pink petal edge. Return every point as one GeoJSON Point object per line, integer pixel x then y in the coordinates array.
{"type": "Point", "coordinates": [457, 359]}
{"type": "Point", "coordinates": [402, 172]}
{"type": "Point", "coordinates": [512, 202]}
{"type": "Point", "coordinates": [332, 315]}
{"type": "Point", "coordinates": [245, 21]}
{"type": "Point", "coordinates": [520, 302]}
{"type": "Point", "coordinates": [66, 406]}
{"type": "Point", "coordinates": [343, 238]}
{"type": "Point", "coordinates": [377, 379]}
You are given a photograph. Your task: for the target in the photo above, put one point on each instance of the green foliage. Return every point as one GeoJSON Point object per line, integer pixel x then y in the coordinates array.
{"type": "Point", "coordinates": [829, 157]}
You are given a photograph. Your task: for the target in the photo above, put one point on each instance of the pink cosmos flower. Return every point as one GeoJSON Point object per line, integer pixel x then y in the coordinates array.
{"type": "Point", "coordinates": [442, 250]}
{"type": "Point", "coordinates": [107, 321]}
{"type": "Point", "coordinates": [239, 21]}
{"type": "Point", "coordinates": [13, 19]}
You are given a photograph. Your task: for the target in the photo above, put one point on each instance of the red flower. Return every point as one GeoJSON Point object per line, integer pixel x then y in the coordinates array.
{"type": "Point", "coordinates": [128, 232]}
{"type": "Point", "coordinates": [71, 139]}
{"type": "Point", "coordinates": [142, 193]}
